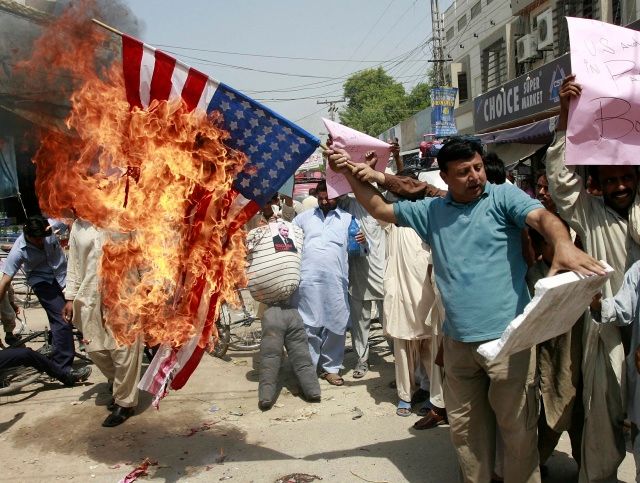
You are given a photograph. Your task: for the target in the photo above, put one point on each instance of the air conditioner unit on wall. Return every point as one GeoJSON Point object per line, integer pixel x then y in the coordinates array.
{"type": "Point", "coordinates": [526, 48]}
{"type": "Point", "coordinates": [545, 29]}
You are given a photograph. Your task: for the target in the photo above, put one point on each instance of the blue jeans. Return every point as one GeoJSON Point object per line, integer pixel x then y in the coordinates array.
{"type": "Point", "coordinates": [52, 300]}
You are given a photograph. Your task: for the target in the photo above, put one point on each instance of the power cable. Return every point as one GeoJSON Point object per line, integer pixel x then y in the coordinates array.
{"type": "Point", "coordinates": [391, 28]}
{"type": "Point", "coordinates": [241, 67]}
{"type": "Point", "coordinates": [319, 59]}
{"type": "Point", "coordinates": [370, 30]}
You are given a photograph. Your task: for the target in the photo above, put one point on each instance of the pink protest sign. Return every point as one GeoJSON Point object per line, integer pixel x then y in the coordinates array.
{"type": "Point", "coordinates": [604, 122]}
{"type": "Point", "coordinates": [357, 144]}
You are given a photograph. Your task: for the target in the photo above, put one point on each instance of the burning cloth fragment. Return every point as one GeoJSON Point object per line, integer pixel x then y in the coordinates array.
{"type": "Point", "coordinates": [159, 150]}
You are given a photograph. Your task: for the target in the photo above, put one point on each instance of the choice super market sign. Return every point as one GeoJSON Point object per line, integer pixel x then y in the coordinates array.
{"type": "Point", "coordinates": [532, 93]}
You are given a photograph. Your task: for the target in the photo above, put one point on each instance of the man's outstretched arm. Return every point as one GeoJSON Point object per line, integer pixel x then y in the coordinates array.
{"type": "Point", "coordinates": [369, 197]}
{"type": "Point", "coordinates": [565, 254]}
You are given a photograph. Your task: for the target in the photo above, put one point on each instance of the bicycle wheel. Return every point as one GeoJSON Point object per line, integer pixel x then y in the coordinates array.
{"type": "Point", "coordinates": [246, 336]}
{"type": "Point", "coordinates": [14, 379]}
{"type": "Point", "coordinates": [37, 336]}
{"type": "Point", "coordinates": [223, 325]}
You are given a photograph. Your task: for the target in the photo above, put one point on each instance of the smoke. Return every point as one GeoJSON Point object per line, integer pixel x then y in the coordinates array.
{"type": "Point", "coordinates": [30, 84]}
{"type": "Point", "coordinates": [112, 12]}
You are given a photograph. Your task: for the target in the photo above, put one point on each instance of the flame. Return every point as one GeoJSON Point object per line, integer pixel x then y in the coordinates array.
{"type": "Point", "coordinates": [170, 247]}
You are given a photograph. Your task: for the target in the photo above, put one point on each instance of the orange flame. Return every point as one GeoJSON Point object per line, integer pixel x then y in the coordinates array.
{"type": "Point", "coordinates": [174, 163]}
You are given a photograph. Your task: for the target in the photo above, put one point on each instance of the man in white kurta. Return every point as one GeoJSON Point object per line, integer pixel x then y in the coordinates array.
{"type": "Point", "coordinates": [365, 282]}
{"type": "Point", "coordinates": [603, 224]}
{"type": "Point", "coordinates": [408, 300]}
{"type": "Point", "coordinates": [624, 310]}
{"type": "Point", "coordinates": [120, 364]}
{"type": "Point", "coordinates": [322, 297]}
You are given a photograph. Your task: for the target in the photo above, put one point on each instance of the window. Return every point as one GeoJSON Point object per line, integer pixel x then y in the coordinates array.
{"type": "Point", "coordinates": [475, 10]}
{"type": "Point", "coordinates": [494, 65]}
{"type": "Point", "coordinates": [462, 21]}
{"type": "Point", "coordinates": [463, 90]}
{"type": "Point", "coordinates": [450, 33]}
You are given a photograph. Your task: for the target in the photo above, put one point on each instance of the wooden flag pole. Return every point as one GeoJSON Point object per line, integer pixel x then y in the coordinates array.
{"type": "Point", "coordinates": [107, 27]}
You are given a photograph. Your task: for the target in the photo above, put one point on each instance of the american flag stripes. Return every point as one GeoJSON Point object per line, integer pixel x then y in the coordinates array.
{"type": "Point", "coordinates": [274, 147]}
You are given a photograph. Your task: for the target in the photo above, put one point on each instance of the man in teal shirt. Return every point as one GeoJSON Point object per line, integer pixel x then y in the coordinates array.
{"type": "Point", "coordinates": [474, 233]}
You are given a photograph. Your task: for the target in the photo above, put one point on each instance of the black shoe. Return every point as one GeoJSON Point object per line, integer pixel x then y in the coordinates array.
{"type": "Point", "coordinates": [112, 404]}
{"type": "Point", "coordinates": [12, 339]}
{"type": "Point", "coordinates": [117, 417]}
{"type": "Point", "coordinates": [75, 376]}
{"type": "Point", "coordinates": [419, 396]}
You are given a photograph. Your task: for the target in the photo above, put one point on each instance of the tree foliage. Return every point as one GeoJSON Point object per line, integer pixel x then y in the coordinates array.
{"type": "Point", "coordinates": [375, 101]}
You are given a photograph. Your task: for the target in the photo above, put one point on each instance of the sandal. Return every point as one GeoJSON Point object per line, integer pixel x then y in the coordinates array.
{"type": "Point", "coordinates": [362, 367]}
{"type": "Point", "coordinates": [333, 379]}
{"type": "Point", "coordinates": [403, 409]}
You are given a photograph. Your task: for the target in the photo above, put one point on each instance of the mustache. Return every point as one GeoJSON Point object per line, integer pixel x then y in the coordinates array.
{"type": "Point", "coordinates": [622, 192]}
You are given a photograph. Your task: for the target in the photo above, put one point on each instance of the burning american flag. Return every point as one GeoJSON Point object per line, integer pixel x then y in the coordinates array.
{"type": "Point", "coordinates": [274, 148]}
{"type": "Point", "coordinates": [180, 160]}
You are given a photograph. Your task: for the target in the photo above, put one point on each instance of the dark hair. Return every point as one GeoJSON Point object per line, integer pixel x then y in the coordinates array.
{"type": "Point", "coordinates": [540, 172]}
{"type": "Point", "coordinates": [459, 148]}
{"type": "Point", "coordinates": [594, 171]}
{"type": "Point", "coordinates": [494, 167]}
{"type": "Point", "coordinates": [37, 227]}
{"type": "Point", "coordinates": [312, 191]}
{"type": "Point", "coordinates": [321, 186]}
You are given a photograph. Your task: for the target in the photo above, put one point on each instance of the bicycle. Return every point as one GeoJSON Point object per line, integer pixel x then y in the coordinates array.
{"type": "Point", "coordinates": [15, 378]}
{"type": "Point", "coordinates": [239, 335]}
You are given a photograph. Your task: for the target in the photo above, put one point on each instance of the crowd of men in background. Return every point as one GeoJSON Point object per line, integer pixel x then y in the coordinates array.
{"type": "Point", "coordinates": [449, 262]}
{"type": "Point", "coordinates": [460, 261]}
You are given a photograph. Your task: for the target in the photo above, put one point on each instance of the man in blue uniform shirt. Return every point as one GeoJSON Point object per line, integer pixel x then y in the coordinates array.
{"type": "Point", "coordinates": [38, 251]}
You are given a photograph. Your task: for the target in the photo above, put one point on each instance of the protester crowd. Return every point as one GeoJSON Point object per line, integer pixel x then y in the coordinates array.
{"type": "Point", "coordinates": [445, 267]}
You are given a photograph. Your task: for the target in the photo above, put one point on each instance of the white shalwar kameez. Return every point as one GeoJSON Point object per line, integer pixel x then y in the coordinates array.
{"type": "Point", "coordinates": [409, 298]}
{"type": "Point", "coordinates": [121, 365]}
{"type": "Point", "coordinates": [624, 310]}
{"type": "Point", "coordinates": [606, 236]}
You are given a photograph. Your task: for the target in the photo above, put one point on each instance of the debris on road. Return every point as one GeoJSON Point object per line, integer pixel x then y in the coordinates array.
{"type": "Point", "coordinates": [140, 470]}
{"type": "Point", "coordinates": [297, 478]}
{"type": "Point", "coordinates": [205, 426]}
{"type": "Point", "coordinates": [368, 481]}
{"type": "Point", "coordinates": [304, 414]}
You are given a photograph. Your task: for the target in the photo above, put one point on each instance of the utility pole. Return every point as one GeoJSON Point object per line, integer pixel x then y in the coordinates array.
{"type": "Point", "coordinates": [437, 30]}
{"type": "Point", "coordinates": [333, 108]}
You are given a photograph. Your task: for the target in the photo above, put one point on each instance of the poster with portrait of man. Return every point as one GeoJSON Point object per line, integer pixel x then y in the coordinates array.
{"type": "Point", "coordinates": [282, 234]}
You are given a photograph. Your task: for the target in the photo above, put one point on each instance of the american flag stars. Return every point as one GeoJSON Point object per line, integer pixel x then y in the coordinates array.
{"type": "Point", "coordinates": [274, 147]}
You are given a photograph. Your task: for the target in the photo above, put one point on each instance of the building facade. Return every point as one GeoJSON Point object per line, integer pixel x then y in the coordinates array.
{"type": "Point", "coordinates": [508, 57]}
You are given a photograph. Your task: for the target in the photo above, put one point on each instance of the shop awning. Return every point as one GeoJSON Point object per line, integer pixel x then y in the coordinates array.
{"type": "Point", "coordinates": [539, 132]}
